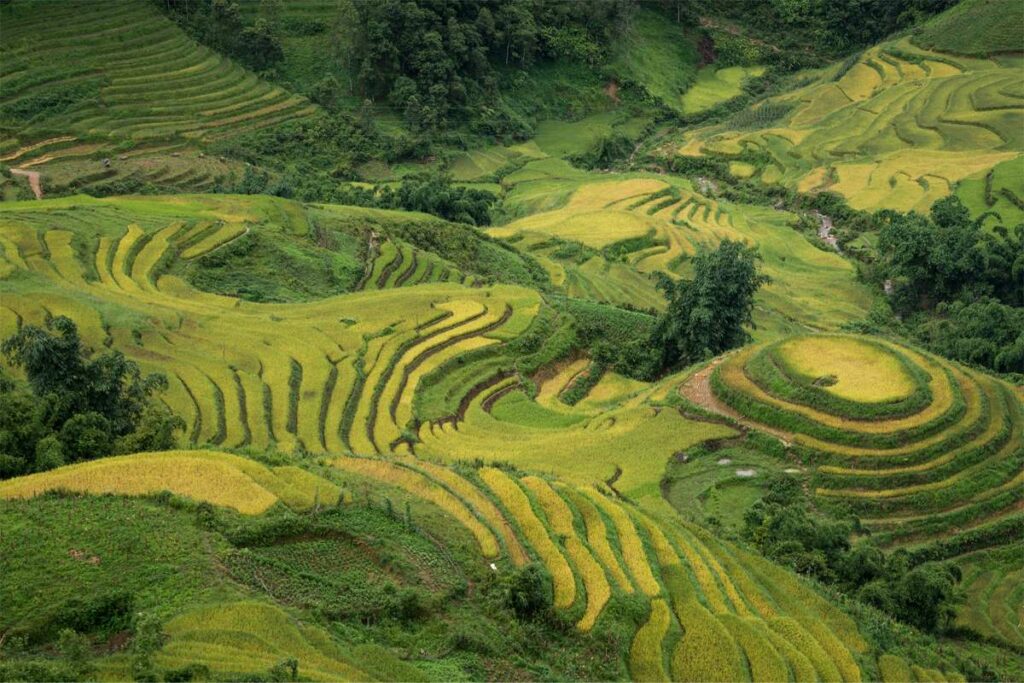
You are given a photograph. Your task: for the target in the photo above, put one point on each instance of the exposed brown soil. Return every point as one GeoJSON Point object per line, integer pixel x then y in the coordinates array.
{"type": "Point", "coordinates": [698, 390]}
{"type": "Point", "coordinates": [33, 180]}
{"type": "Point", "coordinates": [612, 91]}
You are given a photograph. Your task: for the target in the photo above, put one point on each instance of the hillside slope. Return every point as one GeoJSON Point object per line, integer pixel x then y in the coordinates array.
{"type": "Point", "coordinates": [82, 82]}
{"type": "Point", "coordinates": [895, 128]}
{"type": "Point", "coordinates": [715, 611]}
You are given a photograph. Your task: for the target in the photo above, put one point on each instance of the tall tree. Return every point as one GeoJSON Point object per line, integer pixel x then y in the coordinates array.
{"type": "Point", "coordinates": [707, 315]}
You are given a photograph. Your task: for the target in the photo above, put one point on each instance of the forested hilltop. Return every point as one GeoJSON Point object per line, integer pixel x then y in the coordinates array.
{"type": "Point", "coordinates": [511, 340]}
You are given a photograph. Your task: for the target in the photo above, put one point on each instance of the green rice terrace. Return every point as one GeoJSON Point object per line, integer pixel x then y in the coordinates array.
{"type": "Point", "coordinates": [549, 341]}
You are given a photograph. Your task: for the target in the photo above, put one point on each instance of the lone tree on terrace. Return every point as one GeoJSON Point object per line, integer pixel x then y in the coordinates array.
{"type": "Point", "coordinates": [707, 315]}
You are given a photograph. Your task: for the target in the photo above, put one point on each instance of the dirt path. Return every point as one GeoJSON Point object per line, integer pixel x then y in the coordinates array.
{"type": "Point", "coordinates": [33, 180]}
{"type": "Point", "coordinates": [698, 390]}
{"type": "Point", "coordinates": [612, 91]}
{"type": "Point", "coordinates": [825, 230]}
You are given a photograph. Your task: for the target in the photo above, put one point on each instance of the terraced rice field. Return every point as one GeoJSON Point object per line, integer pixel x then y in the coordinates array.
{"type": "Point", "coordinates": [154, 85]}
{"type": "Point", "coordinates": [597, 547]}
{"type": "Point", "coordinates": [896, 130]}
{"type": "Point", "coordinates": [932, 465]}
{"type": "Point", "coordinates": [655, 227]}
{"type": "Point", "coordinates": [337, 375]}
{"type": "Point", "coordinates": [217, 478]}
{"type": "Point", "coordinates": [238, 638]}
{"type": "Point", "coordinates": [593, 276]}
{"type": "Point", "coordinates": [397, 264]}
{"type": "Point", "coordinates": [994, 584]}
{"type": "Point", "coordinates": [629, 443]}
{"type": "Point", "coordinates": [714, 86]}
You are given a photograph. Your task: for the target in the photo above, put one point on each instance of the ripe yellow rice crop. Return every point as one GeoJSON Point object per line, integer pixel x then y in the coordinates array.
{"type": "Point", "coordinates": [942, 395]}
{"type": "Point", "coordinates": [766, 664]}
{"type": "Point", "coordinates": [240, 637]}
{"type": "Point", "coordinates": [723, 576]}
{"type": "Point", "coordinates": [803, 670]}
{"type": "Point", "coordinates": [864, 372]}
{"type": "Point", "coordinates": [705, 578]}
{"type": "Point", "coordinates": [739, 576]}
{"type": "Point", "coordinates": [301, 489]}
{"type": "Point", "coordinates": [516, 502]}
{"type": "Point", "coordinates": [706, 652]}
{"type": "Point", "coordinates": [894, 669]}
{"type": "Point", "coordinates": [600, 195]}
{"type": "Point", "coordinates": [560, 518]}
{"type": "Point", "coordinates": [597, 538]}
{"type": "Point", "coordinates": [974, 408]}
{"type": "Point", "coordinates": [420, 486]}
{"type": "Point", "coordinates": [222, 235]}
{"type": "Point", "coordinates": [217, 478]}
{"type": "Point", "coordinates": [927, 675]}
{"type": "Point", "coordinates": [646, 661]}
{"type": "Point", "coordinates": [796, 634]}
{"type": "Point", "coordinates": [482, 504]}
{"type": "Point", "coordinates": [633, 551]}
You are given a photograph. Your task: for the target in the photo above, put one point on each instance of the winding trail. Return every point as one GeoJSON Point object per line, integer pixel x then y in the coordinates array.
{"type": "Point", "coordinates": [697, 389]}
{"type": "Point", "coordinates": [33, 180]}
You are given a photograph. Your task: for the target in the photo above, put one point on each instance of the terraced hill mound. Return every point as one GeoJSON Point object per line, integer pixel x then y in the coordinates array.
{"type": "Point", "coordinates": [714, 612]}
{"type": "Point", "coordinates": [929, 454]}
{"type": "Point", "coordinates": [895, 128]}
{"type": "Point", "coordinates": [82, 81]}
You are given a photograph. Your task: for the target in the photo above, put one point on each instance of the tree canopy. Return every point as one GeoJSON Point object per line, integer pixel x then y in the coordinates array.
{"type": "Point", "coordinates": [77, 407]}
{"type": "Point", "coordinates": [708, 314]}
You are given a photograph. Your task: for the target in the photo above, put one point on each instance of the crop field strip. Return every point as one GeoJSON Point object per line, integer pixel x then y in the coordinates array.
{"type": "Point", "coordinates": [155, 84]}
{"type": "Point", "coordinates": [233, 638]}
{"type": "Point", "coordinates": [654, 227]}
{"type": "Point", "coordinates": [217, 478]}
{"type": "Point", "coordinates": [897, 130]}
{"type": "Point", "coordinates": [953, 491]}
{"type": "Point", "coordinates": [994, 588]}
{"type": "Point", "coordinates": [256, 391]}
{"type": "Point", "coordinates": [736, 612]}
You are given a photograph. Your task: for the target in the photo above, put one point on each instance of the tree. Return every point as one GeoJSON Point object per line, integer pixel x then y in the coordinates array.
{"type": "Point", "coordinates": [529, 592]}
{"type": "Point", "coordinates": [76, 407]}
{"type": "Point", "coordinates": [260, 45]}
{"type": "Point", "coordinates": [927, 596]}
{"type": "Point", "coordinates": [931, 260]}
{"type": "Point", "coordinates": [707, 315]}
